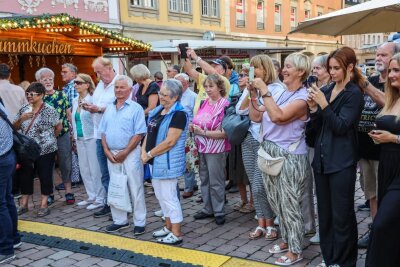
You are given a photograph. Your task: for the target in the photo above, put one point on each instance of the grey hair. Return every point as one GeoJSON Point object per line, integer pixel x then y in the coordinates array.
{"type": "Point", "coordinates": [124, 78]}
{"type": "Point", "coordinates": [183, 75]}
{"type": "Point", "coordinates": [174, 86]}
{"type": "Point", "coordinates": [71, 67]}
{"type": "Point", "coordinates": [321, 60]}
{"type": "Point", "coordinates": [246, 66]}
{"type": "Point", "coordinates": [395, 49]}
{"type": "Point", "coordinates": [140, 72]}
{"type": "Point", "coordinates": [40, 72]}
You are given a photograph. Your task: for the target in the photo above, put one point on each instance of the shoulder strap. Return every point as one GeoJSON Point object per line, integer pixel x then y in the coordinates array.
{"type": "Point", "coordinates": [34, 118]}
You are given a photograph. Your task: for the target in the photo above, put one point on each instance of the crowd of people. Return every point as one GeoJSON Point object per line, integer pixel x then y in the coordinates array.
{"type": "Point", "coordinates": [316, 122]}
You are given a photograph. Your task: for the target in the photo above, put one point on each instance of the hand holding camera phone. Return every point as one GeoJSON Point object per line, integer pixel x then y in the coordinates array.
{"type": "Point", "coordinates": [183, 49]}
{"type": "Point", "coordinates": [251, 74]}
{"type": "Point", "coordinates": [312, 79]}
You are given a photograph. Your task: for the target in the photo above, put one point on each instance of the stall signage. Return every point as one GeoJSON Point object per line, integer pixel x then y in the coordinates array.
{"type": "Point", "coordinates": [31, 46]}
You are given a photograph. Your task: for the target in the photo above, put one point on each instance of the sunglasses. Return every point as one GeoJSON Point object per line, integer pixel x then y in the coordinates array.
{"type": "Point", "coordinates": [31, 94]}
{"type": "Point", "coordinates": [243, 75]}
{"type": "Point", "coordinates": [78, 82]}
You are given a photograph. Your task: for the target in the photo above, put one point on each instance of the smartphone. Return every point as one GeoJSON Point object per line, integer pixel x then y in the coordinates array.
{"type": "Point", "coordinates": [183, 48]}
{"type": "Point", "coordinates": [251, 74]}
{"type": "Point", "coordinates": [311, 79]}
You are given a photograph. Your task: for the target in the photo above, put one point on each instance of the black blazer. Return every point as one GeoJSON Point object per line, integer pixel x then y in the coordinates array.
{"type": "Point", "coordinates": [336, 146]}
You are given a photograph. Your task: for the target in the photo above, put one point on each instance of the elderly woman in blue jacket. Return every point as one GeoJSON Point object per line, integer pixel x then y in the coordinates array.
{"type": "Point", "coordinates": [164, 148]}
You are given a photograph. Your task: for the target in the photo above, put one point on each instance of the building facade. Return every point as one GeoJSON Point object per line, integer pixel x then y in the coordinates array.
{"type": "Point", "coordinates": [272, 20]}
{"type": "Point", "coordinates": [267, 21]}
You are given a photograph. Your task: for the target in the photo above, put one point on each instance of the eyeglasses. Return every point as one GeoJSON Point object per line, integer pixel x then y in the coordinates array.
{"type": "Point", "coordinates": [78, 82]}
{"type": "Point", "coordinates": [241, 75]}
{"type": "Point", "coordinates": [31, 94]}
{"type": "Point", "coordinates": [47, 80]}
{"type": "Point", "coordinates": [161, 94]}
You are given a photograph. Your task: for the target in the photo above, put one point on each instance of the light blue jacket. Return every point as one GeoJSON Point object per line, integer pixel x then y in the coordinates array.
{"type": "Point", "coordinates": [171, 164]}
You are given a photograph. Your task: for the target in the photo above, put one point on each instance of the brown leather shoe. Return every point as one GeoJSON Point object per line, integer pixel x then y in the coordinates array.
{"type": "Point", "coordinates": [187, 194]}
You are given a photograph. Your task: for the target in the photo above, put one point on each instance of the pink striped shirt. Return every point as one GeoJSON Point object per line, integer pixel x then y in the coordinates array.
{"type": "Point", "coordinates": [209, 117]}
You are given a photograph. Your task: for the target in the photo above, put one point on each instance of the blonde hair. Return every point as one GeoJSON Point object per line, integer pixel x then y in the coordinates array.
{"type": "Point", "coordinates": [87, 79]}
{"type": "Point", "coordinates": [102, 61]}
{"type": "Point", "coordinates": [301, 62]}
{"type": "Point", "coordinates": [140, 72]}
{"type": "Point", "coordinates": [264, 62]}
{"type": "Point", "coordinates": [392, 94]}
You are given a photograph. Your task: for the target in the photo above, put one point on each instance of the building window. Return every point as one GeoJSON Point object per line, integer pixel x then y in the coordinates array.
{"type": "Point", "coordinates": [240, 13]}
{"type": "Point", "coordinates": [260, 14]}
{"type": "Point", "coordinates": [379, 39]}
{"type": "Point", "coordinates": [144, 3]}
{"type": "Point", "coordinates": [277, 18]}
{"type": "Point", "coordinates": [307, 14]}
{"type": "Point", "coordinates": [180, 6]}
{"type": "Point", "coordinates": [293, 18]}
{"type": "Point", "coordinates": [210, 8]}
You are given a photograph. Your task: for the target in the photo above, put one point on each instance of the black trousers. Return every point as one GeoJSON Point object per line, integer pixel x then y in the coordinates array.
{"type": "Point", "coordinates": [337, 219]}
{"type": "Point", "coordinates": [44, 166]}
{"type": "Point", "coordinates": [383, 248]}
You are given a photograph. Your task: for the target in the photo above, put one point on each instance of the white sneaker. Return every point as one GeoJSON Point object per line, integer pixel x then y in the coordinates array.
{"type": "Point", "coordinates": [84, 203]}
{"type": "Point", "coordinates": [315, 239]}
{"type": "Point", "coordinates": [94, 206]}
{"type": "Point", "coordinates": [162, 232]}
{"type": "Point", "coordinates": [159, 213]}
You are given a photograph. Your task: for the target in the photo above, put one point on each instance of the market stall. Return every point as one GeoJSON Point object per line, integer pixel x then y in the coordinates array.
{"type": "Point", "coordinates": [29, 43]}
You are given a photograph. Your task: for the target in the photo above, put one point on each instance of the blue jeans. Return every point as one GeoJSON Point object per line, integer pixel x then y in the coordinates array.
{"type": "Point", "coordinates": [102, 158]}
{"type": "Point", "coordinates": [8, 213]}
{"type": "Point", "coordinates": [190, 181]}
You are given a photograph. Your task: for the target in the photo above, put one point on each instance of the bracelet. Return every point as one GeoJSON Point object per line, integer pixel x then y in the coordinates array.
{"type": "Point", "coordinates": [198, 59]}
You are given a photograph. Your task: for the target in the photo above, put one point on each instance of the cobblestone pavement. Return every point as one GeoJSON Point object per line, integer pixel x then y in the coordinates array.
{"type": "Point", "coordinates": [230, 239]}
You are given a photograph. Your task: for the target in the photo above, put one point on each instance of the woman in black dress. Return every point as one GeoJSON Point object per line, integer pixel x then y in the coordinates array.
{"type": "Point", "coordinates": [383, 249]}
{"type": "Point", "coordinates": [147, 94]}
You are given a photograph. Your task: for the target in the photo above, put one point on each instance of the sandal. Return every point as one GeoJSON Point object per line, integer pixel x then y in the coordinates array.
{"type": "Point", "coordinates": [43, 212]}
{"type": "Point", "coordinates": [170, 239]}
{"type": "Point", "coordinates": [239, 206]}
{"type": "Point", "coordinates": [258, 232]}
{"type": "Point", "coordinates": [21, 210]}
{"type": "Point", "coordinates": [277, 249]}
{"type": "Point", "coordinates": [286, 261]}
{"type": "Point", "coordinates": [162, 232]}
{"type": "Point", "coordinates": [248, 208]}
{"type": "Point", "coordinates": [271, 233]}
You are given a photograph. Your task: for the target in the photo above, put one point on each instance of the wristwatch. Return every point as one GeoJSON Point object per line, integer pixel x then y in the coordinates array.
{"type": "Point", "coordinates": [149, 154]}
{"type": "Point", "coordinates": [99, 110]}
{"type": "Point", "coordinates": [267, 94]}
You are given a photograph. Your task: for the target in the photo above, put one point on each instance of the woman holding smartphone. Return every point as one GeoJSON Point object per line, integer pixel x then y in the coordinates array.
{"type": "Point", "coordinates": [335, 113]}
{"type": "Point", "coordinates": [383, 249]}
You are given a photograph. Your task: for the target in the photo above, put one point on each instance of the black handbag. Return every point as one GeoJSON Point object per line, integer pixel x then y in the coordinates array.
{"type": "Point", "coordinates": [235, 126]}
{"type": "Point", "coordinates": [24, 146]}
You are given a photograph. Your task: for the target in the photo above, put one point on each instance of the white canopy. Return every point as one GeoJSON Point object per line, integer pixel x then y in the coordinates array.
{"type": "Point", "coordinates": [170, 46]}
{"type": "Point", "coordinates": [370, 17]}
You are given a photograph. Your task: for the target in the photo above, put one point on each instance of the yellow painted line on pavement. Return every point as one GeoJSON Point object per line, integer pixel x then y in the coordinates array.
{"type": "Point", "coordinates": [194, 257]}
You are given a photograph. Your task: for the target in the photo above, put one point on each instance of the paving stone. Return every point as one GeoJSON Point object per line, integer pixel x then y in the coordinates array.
{"type": "Point", "coordinates": [41, 254]}
{"type": "Point", "coordinates": [41, 263]}
{"type": "Point", "coordinates": [249, 249]}
{"type": "Point", "coordinates": [108, 263]}
{"type": "Point", "coordinates": [64, 262]}
{"type": "Point", "coordinates": [27, 253]}
{"type": "Point", "coordinates": [61, 254]}
{"type": "Point", "coordinates": [21, 262]}
{"type": "Point", "coordinates": [216, 242]}
{"type": "Point", "coordinates": [206, 248]}
{"type": "Point", "coordinates": [88, 262]}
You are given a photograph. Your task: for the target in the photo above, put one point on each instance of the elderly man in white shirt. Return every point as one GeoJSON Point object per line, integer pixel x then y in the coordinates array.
{"type": "Point", "coordinates": [102, 96]}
